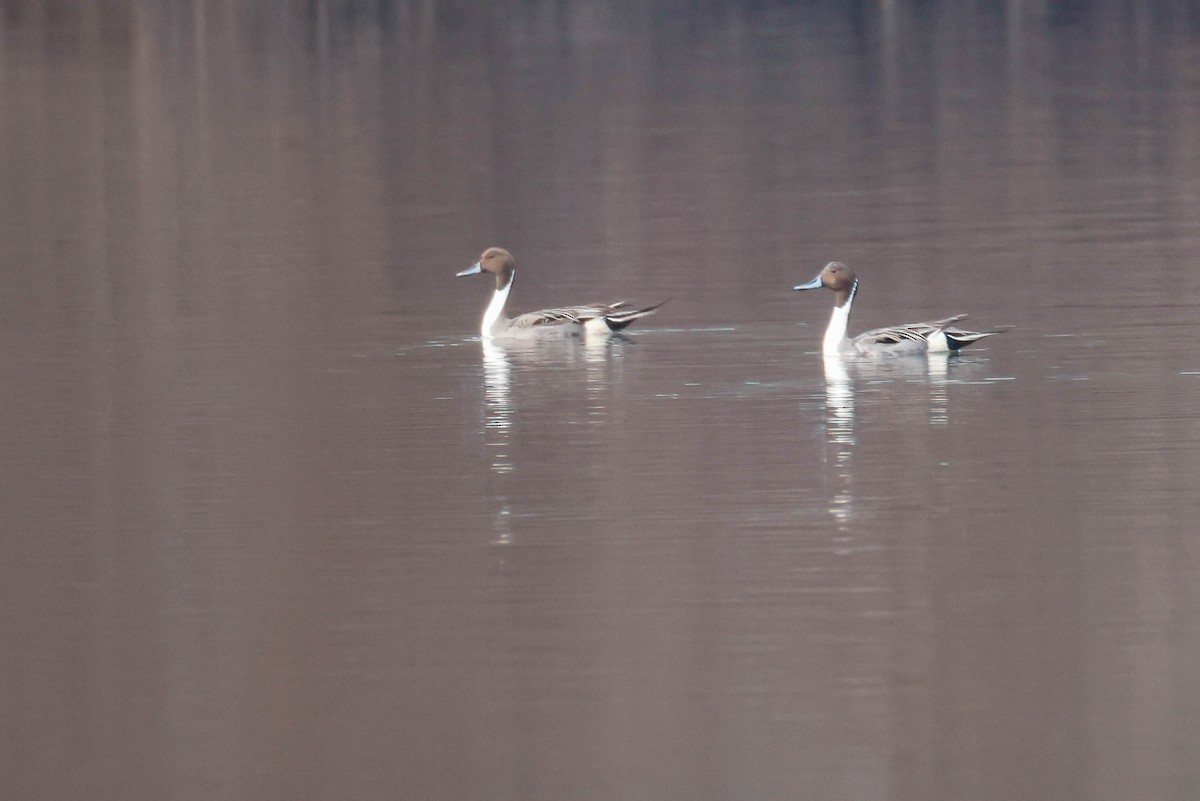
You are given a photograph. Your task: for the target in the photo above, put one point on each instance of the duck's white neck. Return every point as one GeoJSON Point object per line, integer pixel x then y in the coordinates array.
{"type": "Point", "coordinates": [493, 316]}
{"type": "Point", "coordinates": [835, 334]}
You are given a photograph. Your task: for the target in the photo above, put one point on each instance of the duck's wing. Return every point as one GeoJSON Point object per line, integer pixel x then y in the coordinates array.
{"type": "Point", "coordinates": [613, 315]}
{"type": "Point", "coordinates": [915, 336]}
{"type": "Point", "coordinates": [906, 338]}
{"type": "Point", "coordinates": [909, 331]}
{"type": "Point", "coordinates": [571, 314]}
{"type": "Point", "coordinates": [548, 317]}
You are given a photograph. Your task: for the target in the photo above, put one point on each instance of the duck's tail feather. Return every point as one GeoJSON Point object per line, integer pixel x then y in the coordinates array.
{"type": "Point", "coordinates": [618, 317]}
{"type": "Point", "coordinates": [957, 338]}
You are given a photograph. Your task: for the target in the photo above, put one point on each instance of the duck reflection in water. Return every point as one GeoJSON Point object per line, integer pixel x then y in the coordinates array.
{"type": "Point", "coordinates": [497, 403]}
{"type": "Point", "coordinates": [552, 366]}
{"type": "Point", "coordinates": [843, 375]}
{"type": "Point", "coordinates": [498, 414]}
{"type": "Point", "coordinates": [839, 436]}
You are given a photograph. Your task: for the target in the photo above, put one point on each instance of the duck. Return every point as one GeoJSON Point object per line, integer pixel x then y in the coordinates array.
{"type": "Point", "coordinates": [565, 321]}
{"type": "Point", "coordinates": [935, 336]}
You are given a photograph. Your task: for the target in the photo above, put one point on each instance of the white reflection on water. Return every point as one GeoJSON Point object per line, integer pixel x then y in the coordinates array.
{"type": "Point", "coordinates": [839, 433]}
{"type": "Point", "coordinates": [939, 407]}
{"type": "Point", "coordinates": [595, 354]}
{"type": "Point", "coordinates": [504, 362]}
{"type": "Point", "coordinates": [841, 373]}
{"type": "Point", "coordinates": [498, 408]}
{"type": "Point", "coordinates": [498, 413]}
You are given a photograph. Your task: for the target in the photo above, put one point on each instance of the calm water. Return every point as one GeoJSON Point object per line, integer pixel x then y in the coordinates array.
{"type": "Point", "coordinates": [276, 525]}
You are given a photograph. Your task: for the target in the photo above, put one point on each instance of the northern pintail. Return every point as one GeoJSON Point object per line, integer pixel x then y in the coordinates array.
{"type": "Point", "coordinates": [568, 321]}
{"type": "Point", "coordinates": [936, 336]}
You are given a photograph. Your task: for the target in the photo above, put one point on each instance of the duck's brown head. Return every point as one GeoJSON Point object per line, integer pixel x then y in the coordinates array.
{"type": "Point", "coordinates": [835, 276]}
{"type": "Point", "coordinates": [497, 261]}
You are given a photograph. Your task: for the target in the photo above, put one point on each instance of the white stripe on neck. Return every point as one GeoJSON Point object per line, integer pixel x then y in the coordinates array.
{"type": "Point", "coordinates": [835, 334]}
{"type": "Point", "coordinates": [839, 321]}
{"type": "Point", "coordinates": [493, 316]}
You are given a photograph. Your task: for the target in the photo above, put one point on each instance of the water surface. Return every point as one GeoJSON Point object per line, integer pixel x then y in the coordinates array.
{"type": "Point", "coordinates": [276, 524]}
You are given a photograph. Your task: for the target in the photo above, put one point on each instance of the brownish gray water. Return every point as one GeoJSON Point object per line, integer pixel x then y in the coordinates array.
{"type": "Point", "coordinates": [275, 525]}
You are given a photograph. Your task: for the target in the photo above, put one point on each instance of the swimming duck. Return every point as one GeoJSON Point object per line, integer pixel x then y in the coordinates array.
{"type": "Point", "coordinates": [565, 321]}
{"type": "Point", "coordinates": [936, 336]}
